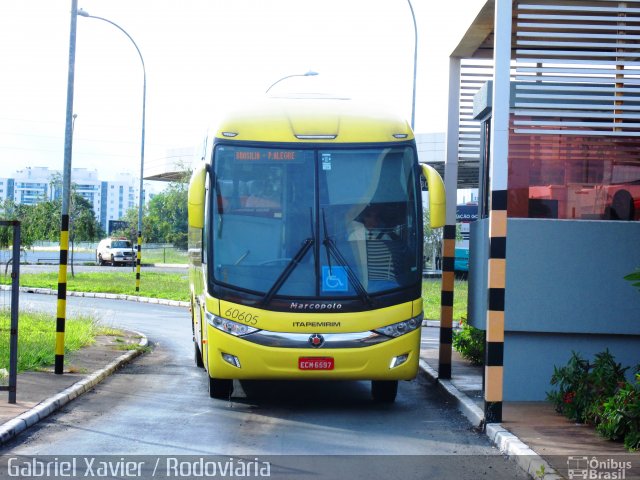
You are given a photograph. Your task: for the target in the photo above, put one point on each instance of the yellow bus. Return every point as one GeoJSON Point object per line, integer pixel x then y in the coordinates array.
{"type": "Point", "coordinates": [305, 241]}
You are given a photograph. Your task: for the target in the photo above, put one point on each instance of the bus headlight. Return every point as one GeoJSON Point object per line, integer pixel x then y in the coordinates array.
{"type": "Point", "coordinates": [229, 326]}
{"type": "Point", "coordinates": [401, 328]}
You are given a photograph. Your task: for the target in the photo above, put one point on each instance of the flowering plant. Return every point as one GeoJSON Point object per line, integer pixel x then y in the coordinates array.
{"type": "Point", "coordinates": [583, 387]}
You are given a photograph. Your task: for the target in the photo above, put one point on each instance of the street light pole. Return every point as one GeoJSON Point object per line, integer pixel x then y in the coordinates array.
{"type": "Point", "coordinates": [61, 311]}
{"type": "Point", "coordinates": [310, 73]}
{"type": "Point", "coordinates": [144, 101]}
{"type": "Point", "coordinates": [415, 66]}
{"type": "Point", "coordinates": [71, 230]}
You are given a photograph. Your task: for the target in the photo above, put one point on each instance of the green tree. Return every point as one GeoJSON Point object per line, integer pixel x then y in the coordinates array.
{"type": "Point", "coordinates": [168, 216]}
{"type": "Point", "coordinates": [432, 239]}
{"type": "Point", "coordinates": [7, 212]}
{"type": "Point", "coordinates": [84, 225]}
{"type": "Point", "coordinates": [131, 230]}
{"type": "Point", "coordinates": [22, 213]}
{"type": "Point", "coordinates": [42, 221]}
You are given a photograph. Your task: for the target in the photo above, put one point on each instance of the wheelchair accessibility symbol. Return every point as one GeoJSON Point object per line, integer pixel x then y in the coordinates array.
{"type": "Point", "coordinates": [334, 279]}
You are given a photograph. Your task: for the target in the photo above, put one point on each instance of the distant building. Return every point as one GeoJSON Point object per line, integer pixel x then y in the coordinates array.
{"type": "Point", "coordinates": [87, 185]}
{"type": "Point", "coordinates": [6, 189]}
{"type": "Point", "coordinates": [118, 196]}
{"type": "Point", "coordinates": [32, 185]}
{"type": "Point", "coordinates": [110, 199]}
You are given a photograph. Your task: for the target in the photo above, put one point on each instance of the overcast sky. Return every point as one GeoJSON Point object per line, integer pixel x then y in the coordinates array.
{"type": "Point", "coordinates": [202, 57]}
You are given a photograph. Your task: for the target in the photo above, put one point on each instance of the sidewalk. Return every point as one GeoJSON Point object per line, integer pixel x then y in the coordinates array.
{"type": "Point", "coordinates": [531, 432]}
{"type": "Point", "coordinates": [41, 393]}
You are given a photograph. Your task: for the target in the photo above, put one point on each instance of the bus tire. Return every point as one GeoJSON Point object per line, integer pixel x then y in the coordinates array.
{"type": "Point", "coordinates": [384, 391]}
{"type": "Point", "coordinates": [221, 388]}
{"type": "Point", "coordinates": [198, 355]}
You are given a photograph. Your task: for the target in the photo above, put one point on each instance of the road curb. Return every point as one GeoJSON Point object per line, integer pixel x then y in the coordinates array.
{"type": "Point", "coordinates": [110, 296]}
{"type": "Point", "coordinates": [12, 428]}
{"type": "Point", "coordinates": [509, 444]}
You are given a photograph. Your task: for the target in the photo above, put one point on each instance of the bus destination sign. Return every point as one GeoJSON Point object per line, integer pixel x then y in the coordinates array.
{"type": "Point", "coordinates": [265, 155]}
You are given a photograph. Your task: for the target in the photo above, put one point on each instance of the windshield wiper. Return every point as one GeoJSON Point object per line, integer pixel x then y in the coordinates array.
{"type": "Point", "coordinates": [293, 263]}
{"type": "Point", "coordinates": [332, 249]}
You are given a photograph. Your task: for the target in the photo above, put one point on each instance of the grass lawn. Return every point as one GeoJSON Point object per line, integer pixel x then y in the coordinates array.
{"type": "Point", "coordinates": [431, 298]}
{"type": "Point", "coordinates": [164, 255]}
{"type": "Point", "coordinates": [175, 286]}
{"type": "Point", "coordinates": [37, 331]}
{"type": "Point", "coordinates": [172, 286]}
{"type": "Point", "coordinates": [37, 337]}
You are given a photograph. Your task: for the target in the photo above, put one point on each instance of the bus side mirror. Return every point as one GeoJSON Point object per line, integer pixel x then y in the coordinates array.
{"type": "Point", "coordinates": [195, 196]}
{"type": "Point", "coordinates": [437, 197]}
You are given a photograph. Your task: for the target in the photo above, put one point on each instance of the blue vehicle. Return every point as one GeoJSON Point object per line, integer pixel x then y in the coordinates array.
{"type": "Point", "coordinates": [465, 214]}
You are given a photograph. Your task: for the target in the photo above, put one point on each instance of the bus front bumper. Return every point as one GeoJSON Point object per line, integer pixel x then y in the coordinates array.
{"type": "Point", "coordinates": [236, 358]}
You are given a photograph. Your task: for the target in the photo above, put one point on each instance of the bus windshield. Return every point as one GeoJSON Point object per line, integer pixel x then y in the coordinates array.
{"type": "Point", "coordinates": [316, 223]}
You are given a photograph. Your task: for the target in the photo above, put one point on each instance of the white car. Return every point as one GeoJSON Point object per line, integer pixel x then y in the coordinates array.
{"type": "Point", "coordinates": [115, 250]}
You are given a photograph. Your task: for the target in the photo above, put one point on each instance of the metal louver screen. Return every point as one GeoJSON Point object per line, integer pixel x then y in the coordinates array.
{"type": "Point", "coordinates": [473, 75]}
{"type": "Point", "coordinates": [577, 68]}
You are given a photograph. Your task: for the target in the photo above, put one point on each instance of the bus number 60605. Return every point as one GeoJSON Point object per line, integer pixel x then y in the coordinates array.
{"type": "Point", "coordinates": [235, 314]}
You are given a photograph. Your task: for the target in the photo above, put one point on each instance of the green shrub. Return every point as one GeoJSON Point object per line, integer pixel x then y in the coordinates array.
{"type": "Point", "coordinates": [582, 388]}
{"type": "Point", "coordinates": [605, 377]}
{"type": "Point", "coordinates": [570, 399]}
{"type": "Point", "coordinates": [620, 416]}
{"type": "Point", "coordinates": [599, 394]}
{"type": "Point", "coordinates": [469, 342]}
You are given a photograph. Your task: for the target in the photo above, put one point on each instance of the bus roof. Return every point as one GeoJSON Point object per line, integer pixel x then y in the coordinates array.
{"type": "Point", "coordinates": [314, 120]}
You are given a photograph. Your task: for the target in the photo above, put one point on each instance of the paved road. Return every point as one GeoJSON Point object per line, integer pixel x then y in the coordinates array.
{"type": "Point", "coordinates": [159, 405]}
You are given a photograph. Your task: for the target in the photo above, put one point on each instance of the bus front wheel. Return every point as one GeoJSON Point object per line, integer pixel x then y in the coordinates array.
{"type": "Point", "coordinates": [220, 388]}
{"type": "Point", "coordinates": [384, 391]}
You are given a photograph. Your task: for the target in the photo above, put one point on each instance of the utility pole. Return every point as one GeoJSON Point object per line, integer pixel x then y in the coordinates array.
{"type": "Point", "coordinates": [66, 199]}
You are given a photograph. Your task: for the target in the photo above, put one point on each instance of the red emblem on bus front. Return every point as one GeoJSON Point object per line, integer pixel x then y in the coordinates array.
{"type": "Point", "coordinates": [316, 340]}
